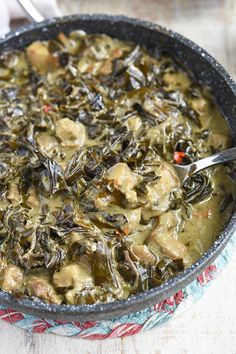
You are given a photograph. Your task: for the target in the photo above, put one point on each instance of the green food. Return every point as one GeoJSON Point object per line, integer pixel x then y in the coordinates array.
{"type": "Point", "coordinates": [91, 209]}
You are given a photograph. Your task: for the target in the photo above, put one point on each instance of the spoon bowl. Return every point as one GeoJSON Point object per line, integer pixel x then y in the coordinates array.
{"type": "Point", "coordinates": [185, 171]}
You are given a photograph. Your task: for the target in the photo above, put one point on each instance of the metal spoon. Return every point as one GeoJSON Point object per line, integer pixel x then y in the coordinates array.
{"type": "Point", "coordinates": [34, 14]}
{"type": "Point", "coordinates": [185, 171]}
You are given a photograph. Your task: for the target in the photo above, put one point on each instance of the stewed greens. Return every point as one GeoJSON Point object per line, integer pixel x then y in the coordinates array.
{"type": "Point", "coordinates": [91, 209]}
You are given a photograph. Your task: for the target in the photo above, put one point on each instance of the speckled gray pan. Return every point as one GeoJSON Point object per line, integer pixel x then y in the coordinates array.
{"type": "Point", "coordinates": [207, 70]}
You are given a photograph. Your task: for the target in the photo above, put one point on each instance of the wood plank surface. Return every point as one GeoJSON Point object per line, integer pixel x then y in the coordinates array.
{"type": "Point", "coordinates": [209, 326]}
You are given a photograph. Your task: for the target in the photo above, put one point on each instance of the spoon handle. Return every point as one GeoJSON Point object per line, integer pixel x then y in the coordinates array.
{"type": "Point", "coordinates": [31, 10]}
{"type": "Point", "coordinates": [220, 157]}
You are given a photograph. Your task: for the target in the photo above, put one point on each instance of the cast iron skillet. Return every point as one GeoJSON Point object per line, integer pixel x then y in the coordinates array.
{"type": "Point", "coordinates": [207, 70]}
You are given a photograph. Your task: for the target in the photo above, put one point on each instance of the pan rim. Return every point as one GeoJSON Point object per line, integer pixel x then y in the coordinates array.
{"type": "Point", "coordinates": [102, 311]}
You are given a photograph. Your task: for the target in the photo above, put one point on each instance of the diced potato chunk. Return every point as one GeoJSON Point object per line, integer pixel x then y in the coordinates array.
{"type": "Point", "coordinates": [143, 253]}
{"type": "Point", "coordinates": [32, 199]}
{"type": "Point", "coordinates": [156, 135]}
{"type": "Point", "coordinates": [14, 194]}
{"type": "Point", "coordinates": [13, 278]}
{"type": "Point", "coordinates": [76, 275]}
{"type": "Point", "coordinates": [163, 238]}
{"type": "Point", "coordinates": [4, 73]}
{"type": "Point", "coordinates": [106, 68]}
{"type": "Point", "coordinates": [201, 105]}
{"type": "Point", "coordinates": [41, 288]}
{"type": "Point", "coordinates": [103, 201]}
{"type": "Point", "coordinates": [168, 181]}
{"type": "Point", "coordinates": [133, 216]}
{"type": "Point", "coordinates": [134, 123]}
{"type": "Point", "coordinates": [85, 65]}
{"type": "Point", "coordinates": [174, 248]}
{"type": "Point", "coordinates": [158, 193]}
{"type": "Point", "coordinates": [71, 296]}
{"type": "Point", "coordinates": [121, 174]}
{"type": "Point", "coordinates": [40, 58]}
{"type": "Point", "coordinates": [46, 143]}
{"type": "Point", "coordinates": [70, 133]}
{"type": "Point", "coordinates": [124, 180]}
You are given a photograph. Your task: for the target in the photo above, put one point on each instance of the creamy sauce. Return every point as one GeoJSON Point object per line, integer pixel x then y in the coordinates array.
{"type": "Point", "coordinates": [91, 209]}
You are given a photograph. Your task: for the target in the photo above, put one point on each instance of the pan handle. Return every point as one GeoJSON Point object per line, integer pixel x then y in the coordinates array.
{"type": "Point", "coordinates": [33, 13]}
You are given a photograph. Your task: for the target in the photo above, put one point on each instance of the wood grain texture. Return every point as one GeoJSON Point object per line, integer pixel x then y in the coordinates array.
{"type": "Point", "coordinates": [209, 327]}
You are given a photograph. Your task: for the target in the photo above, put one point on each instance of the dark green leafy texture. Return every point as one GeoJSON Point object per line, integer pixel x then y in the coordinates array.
{"type": "Point", "coordinates": [197, 188]}
{"type": "Point", "coordinates": [119, 106]}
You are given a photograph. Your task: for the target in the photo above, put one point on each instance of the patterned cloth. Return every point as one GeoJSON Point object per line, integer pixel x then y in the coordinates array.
{"type": "Point", "coordinates": [130, 324]}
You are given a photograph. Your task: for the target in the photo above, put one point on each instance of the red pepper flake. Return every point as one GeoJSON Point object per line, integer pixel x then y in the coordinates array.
{"type": "Point", "coordinates": [126, 230]}
{"type": "Point", "coordinates": [47, 108]}
{"type": "Point", "coordinates": [178, 157]}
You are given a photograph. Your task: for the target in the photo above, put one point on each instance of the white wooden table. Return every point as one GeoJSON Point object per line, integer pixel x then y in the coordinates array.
{"type": "Point", "coordinates": [208, 327]}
